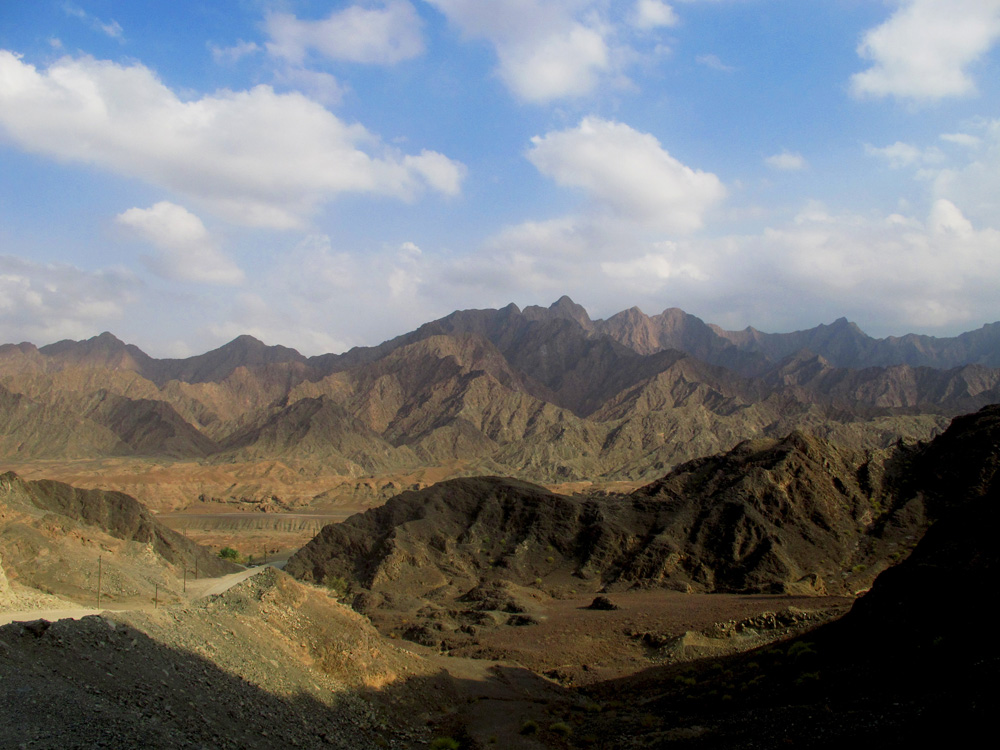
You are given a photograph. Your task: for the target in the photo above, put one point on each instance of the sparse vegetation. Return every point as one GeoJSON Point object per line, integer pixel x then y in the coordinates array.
{"type": "Point", "coordinates": [228, 553]}
{"type": "Point", "coordinates": [444, 743]}
{"type": "Point", "coordinates": [561, 728]}
{"type": "Point", "coordinates": [337, 584]}
{"type": "Point", "coordinates": [529, 727]}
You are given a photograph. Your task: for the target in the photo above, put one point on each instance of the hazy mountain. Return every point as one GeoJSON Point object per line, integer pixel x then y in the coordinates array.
{"type": "Point", "coordinates": [546, 394]}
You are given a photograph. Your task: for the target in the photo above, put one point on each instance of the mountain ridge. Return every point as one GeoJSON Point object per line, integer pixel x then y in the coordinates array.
{"type": "Point", "coordinates": [544, 394]}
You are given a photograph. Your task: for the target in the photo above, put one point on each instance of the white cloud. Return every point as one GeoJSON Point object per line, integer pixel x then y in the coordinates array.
{"type": "Point", "coordinates": [547, 50]}
{"type": "Point", "coordinates": [318, 85]}
{"type": "Point", "coordinates": [975, 185]}
{"type": "Point", "coordinates": [46, 302]}
{"type": "Point", "coordinates": [438, 171]}
{"type": "Point", "coordinates": [650, 14]}
{"type": "Point", "coordinates": [234, 53]}
{"type": "Point", "coordinates": [566, 64]}
{"type": "Point", "coordinates": [628, 174]}
{"type": "Point", "coordinates": [899, 154]}
{"type": "Point", "coordinates": [381, 35]}
{"type": "Point", "coordinates": [186, 250]}
{"type": "Point", "coordinates": [713, 62]}
{"type": "Point", "coordinates": [111, 28]}
{"type": "Point", "coordinates": [962, 139]}
{"type": "Point", "coordinates": [923, 49]}
{"type": "Point", "coordinates": [892, 274]}
{"type": "Point", "coordinates": [255, 157]}
{"type": "Point", "coordinates": [946, 218]}
{"type": "Point", "coordinates": [786, 161]}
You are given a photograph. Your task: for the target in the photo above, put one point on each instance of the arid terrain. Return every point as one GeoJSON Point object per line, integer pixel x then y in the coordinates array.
{"type": "Point", "coordinates": [508, 528]}
{"type": "Point", "coordinates": [544, 394]}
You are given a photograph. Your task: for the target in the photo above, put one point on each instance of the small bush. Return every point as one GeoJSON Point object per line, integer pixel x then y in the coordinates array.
{"type": "Point", "coordinates": [444, 743]}
{"type": "Point", "coordinates": [338, 584]}
{"type": "Point", "coordinates": [529, 727]}
{"type": "Point", "coordinates": [228, 553]}
{"type": "Point", "coordinates": [561, 728]}
{"type": "Point", "coordinates": [800, 649]}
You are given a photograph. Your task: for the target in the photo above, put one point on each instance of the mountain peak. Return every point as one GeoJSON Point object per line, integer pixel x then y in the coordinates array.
{"type": "Point", "coordinates": [564, 307]}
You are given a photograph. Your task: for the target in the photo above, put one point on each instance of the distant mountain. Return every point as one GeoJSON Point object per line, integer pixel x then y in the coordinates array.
{"type": "Point", "coordinates": [545, 394]}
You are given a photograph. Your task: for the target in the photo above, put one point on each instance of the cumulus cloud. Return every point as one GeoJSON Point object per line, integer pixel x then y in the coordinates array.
{"type": "Point", "coordinates": [935, 272]}
{"type": "Point", "coordinates": [383, 35]}
{"type": "Point", "coordinates": [650, 14]}
{"type": "Point", "coordinates": [186, 250]}
{"type": "Point", "coordinates": [46, 302]}
{"type": "Point", "coordinates": [322, 298]}
{"type": "Point", "coordinates": [628, 174]}
{"type": "Point", "coordinates": [961, 139]}
{"type": "Point", "coordinates": [547, 50]}
{"type": "Point", "coordinates": [317, 84]}
{"type": "Point", "coordinates": [899, 154]}
{"type": "Point", "coordinates": [255, 157]}
{"type": "Point", "coordinates": [786, 161]}
{"type": "Point", "coordinates": [974, 185]}
{"type": "Point", "coordinates": [922, 51]}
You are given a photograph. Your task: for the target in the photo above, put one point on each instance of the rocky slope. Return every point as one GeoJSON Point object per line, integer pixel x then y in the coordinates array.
{"type": "Point", "coordinates": [52, 534]}
{"type": "Point", "coordinates": [796, 515]}
{"type": "Point", "coordinates": [789, 515]}
{"type": "Point", "coordinates": [544, 394]}
{"type": "Point", "coordinates": [267, 664]}
{"type": "Point", "coordinates": [907, 665]}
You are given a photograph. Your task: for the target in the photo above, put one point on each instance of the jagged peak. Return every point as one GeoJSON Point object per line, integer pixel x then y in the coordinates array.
{"type": "Point", "coordinates": [843, 324]}
{"type": "Point", "coordinates": [632, 314]}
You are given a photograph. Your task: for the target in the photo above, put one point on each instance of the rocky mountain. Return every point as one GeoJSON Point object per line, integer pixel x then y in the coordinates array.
{"type": "Point", "coordinates": [52, 534]}
{"type": "Point", "coordinates": [795, 515]}
{"type": "Point", "coordinates": [544, 394]}
{"type": "Point", "coordinates": [905, 666]}
{"type": "Point", "coordinates": [454, 564]}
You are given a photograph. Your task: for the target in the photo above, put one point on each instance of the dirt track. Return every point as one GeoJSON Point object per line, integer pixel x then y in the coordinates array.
{"type": "Point", "coordinates": [199, 589]}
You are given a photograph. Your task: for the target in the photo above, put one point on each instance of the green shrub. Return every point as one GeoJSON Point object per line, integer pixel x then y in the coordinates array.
{"type": "Point", "coordinates": [337, 583]}
{"type": "Point", "coordinates": [228, 553]}
{"type": "Point", "coordinates": [444, 743]}
{"type": "Point", "coordinates": [800, 649]}
{"type": "Point", "coordinates": [561, 728]}
{"type": "Point", "coordinates": [529, 727]}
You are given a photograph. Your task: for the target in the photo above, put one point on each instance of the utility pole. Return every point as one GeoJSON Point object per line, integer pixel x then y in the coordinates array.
{"type": "Point", "coordinates": [156, 597]}
{"type": "Point", "coordinates": [100, 559]}
{"type": "Point", "coordinates": [185, 578]}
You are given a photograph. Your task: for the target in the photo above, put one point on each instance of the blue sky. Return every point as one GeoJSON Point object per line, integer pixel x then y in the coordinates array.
{"type": "Point", "coordinates": [331, 174]}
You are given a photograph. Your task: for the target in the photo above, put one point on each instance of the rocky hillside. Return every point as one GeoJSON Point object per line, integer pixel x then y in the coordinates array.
{"type": "Point", "coordinates": [797, 515]}
{"type": "Point", "coordinates": [908, 665]}
{"type": "Point", "coordinates": [791, 515]}
{"type": "Point", "coordinates": [543, 394]}
{"type": "Point", "coordinates": [267, 664]}
{"type": "Point", "coordinates": [52, 534]}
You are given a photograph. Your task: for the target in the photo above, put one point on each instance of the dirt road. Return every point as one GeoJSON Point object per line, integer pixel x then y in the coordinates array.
{"type": "Point", "coordinates": [195, 590]}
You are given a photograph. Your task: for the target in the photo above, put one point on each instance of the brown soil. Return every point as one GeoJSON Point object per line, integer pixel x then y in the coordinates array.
{"type": "Point", "coordinates": [574, 645]}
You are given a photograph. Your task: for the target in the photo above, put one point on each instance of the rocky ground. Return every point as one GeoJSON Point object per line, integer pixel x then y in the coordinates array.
{"type": "Point", "coordinates": [578, 655]}
{"type": "Point", "coordinates": [267, 664]}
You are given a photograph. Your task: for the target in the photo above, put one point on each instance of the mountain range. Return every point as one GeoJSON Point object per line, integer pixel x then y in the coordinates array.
{"type": "Point", "coordinates": [544, 394]}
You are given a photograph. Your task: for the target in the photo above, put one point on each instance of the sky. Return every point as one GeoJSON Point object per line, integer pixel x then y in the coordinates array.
{"type": "Point", "coordinates": [324, 175]}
